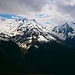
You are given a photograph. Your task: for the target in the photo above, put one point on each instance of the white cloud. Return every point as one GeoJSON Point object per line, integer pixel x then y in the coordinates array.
{"type": "Point", "coordinates": [58, 11]}
{"type": "Point", "coordinates": [55, 17]}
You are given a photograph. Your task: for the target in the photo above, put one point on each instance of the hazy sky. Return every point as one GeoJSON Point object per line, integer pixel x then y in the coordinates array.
{"type": "Point", "coordinates": [50, 12]}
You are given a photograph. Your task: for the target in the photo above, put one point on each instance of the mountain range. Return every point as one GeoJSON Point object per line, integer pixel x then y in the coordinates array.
{"type": "Point", "coordinates": [32, 48]}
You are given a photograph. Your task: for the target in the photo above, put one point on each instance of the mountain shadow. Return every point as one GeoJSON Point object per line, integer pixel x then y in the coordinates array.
{"type": "Point", "coordinates": [47, 58]}
{"type": "Point", "coordinates": [51, 58]}
{"type": "Point", "coordinates": [10, 57]}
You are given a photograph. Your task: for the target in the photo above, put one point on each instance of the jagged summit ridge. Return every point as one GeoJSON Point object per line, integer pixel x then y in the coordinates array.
{"type": "Point", "coordinates": [64, 31]}
{"type": "Point", "coordinates": [25, 31]}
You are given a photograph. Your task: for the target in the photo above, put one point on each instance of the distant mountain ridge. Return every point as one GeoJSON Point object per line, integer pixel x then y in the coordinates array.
{"type": "Point", "coordinates": [65, 32]}
{"type": "Point", "coordinates": [23, 31]}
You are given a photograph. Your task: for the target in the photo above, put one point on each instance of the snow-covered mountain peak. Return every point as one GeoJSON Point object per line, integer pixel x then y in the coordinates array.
{"type": "Point", "coordinates": [24, 31]}
{"type": "Point", "coordinates": [64, 31]}
{"type": "Point", "coordinates": [65, 28]}
{"type": "Point", "coordinates": [15, 26]}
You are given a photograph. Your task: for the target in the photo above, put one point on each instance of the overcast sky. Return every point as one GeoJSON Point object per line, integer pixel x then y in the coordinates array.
{"type": "Point", "coordinates": [51, 12]}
